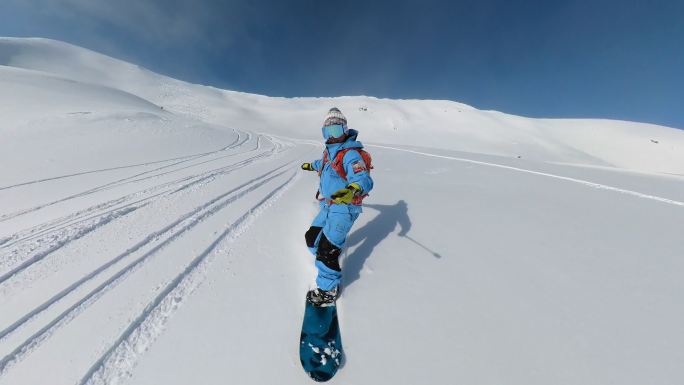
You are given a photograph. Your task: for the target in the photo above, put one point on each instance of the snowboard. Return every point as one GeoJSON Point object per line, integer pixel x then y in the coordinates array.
{"type": "Point", "coordinates": [320, 344]}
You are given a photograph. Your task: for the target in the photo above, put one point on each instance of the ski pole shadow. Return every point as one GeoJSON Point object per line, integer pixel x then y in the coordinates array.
{"type": "Point", "coordinates": [372, 234]}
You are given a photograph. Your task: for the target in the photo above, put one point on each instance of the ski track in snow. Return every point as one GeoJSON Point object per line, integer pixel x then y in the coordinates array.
{"type": "Point", "coordinates": [595, 185]}
{"type": "Point", "coordinates": [65, 239]}
{"type": "Point", "coordinates": [120, 359]}
{"type": "Point", "coordinates": [181, 159]}
{"type": "Point", "coordinates": [169, 188]}
{"type": "Point", "coordinates": [55, 234]}
{"type": "Point", "coordinates": [193, 218]}
{"type": "Point", "coordinates": [120, 182]}
{"type": "Point", "coordinates": [170, 232]}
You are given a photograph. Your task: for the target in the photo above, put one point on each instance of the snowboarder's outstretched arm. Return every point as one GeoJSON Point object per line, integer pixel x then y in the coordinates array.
{"type": "Point", "coordinates": [314, 166]}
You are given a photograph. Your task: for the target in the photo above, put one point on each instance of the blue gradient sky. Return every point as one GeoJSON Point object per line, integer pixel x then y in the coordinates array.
{"type": "Point", "coordinates": [578, 59]}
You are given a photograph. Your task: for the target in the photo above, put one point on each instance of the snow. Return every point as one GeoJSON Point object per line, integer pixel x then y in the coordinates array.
{"type": "Point", "coordinates": [151, 231]}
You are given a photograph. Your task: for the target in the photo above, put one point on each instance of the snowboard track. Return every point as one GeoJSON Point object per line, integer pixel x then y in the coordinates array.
{"type": "Point", "coordinates": [594, 185]}
{"type": "Point", "coordinates": [66, 224]}
{"type": "Point", "coordinates": [194, 217]}
{"type": "Point", "coordinates": [39, 256]}
{"type": "Point", "coordinates": [110, 185]}
{"type": "Point", "coordinates": [181, 159]}
{"type": "Point", "coordinates": [147, 240]}
{"type": "Point", "coordinates": [119, 360]}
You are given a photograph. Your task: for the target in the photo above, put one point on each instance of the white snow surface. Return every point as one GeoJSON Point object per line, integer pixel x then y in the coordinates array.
{"type": "Point", "coordinates": [151, 232]}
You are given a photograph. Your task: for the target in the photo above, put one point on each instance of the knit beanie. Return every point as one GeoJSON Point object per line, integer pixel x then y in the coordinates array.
{"type": "Point", "coordinates": [335, 116]}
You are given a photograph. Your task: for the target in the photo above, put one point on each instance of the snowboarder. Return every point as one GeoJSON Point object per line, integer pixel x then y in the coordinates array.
{"type": "Point", "coordinates": [344, 171]}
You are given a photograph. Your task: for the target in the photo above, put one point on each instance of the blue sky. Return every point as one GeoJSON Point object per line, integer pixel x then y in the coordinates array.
{"type": "Point", "coordinates": [572, 59]}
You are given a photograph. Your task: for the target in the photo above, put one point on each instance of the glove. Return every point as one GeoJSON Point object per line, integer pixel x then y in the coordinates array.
{"type": "Point", "coordinates": [308, 167]}
{"type": "Point", "coordinates": [346, 195]}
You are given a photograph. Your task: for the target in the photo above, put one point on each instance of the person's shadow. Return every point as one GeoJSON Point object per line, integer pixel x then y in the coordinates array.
{"type": "Point", "coordinates": [372, 234]}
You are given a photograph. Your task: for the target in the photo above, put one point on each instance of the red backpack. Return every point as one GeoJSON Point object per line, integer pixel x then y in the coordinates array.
{"type": "Point", "coordinates": [338, 165]}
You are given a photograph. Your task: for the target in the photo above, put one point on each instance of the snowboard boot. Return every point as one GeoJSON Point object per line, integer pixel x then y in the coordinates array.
{"type": "Point", "coordinates": [321, 298]}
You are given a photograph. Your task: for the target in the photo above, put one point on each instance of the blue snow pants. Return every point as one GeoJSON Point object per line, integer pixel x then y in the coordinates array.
{"type": "Point", "coordinates": [326, 238]}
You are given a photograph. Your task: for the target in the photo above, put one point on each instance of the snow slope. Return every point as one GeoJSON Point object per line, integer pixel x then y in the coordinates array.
{"type": "Point", "coordinates": [143, 245]}
{"type": "Point", "coordinates": [428, 123]}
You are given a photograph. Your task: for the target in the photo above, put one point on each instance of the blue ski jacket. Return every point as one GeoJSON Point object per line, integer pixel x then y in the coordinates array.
{"type": "Point", "coordinates": [357, 171]}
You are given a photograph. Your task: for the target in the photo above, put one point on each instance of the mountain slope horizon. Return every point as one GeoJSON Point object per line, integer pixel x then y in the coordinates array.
{"type": "Point", "coordinates": [425, 123]}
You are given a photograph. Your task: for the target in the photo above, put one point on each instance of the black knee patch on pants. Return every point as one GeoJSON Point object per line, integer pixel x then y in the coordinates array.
{"type": "Point", "coordinates": [329, 254]}
{"type": "Point", "coordinates": [311, 235]}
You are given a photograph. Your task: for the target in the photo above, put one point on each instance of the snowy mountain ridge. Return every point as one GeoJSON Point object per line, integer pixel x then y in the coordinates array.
{"type": "Point", "coordinates": [424, 123]}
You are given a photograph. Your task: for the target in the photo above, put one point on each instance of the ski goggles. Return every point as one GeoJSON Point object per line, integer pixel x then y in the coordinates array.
{"type": "Point", "coordinates": [332, 131]}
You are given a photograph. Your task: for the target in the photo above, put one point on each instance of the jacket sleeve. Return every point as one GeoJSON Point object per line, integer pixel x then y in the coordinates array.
{"type": "Point", "coordinates": [317, 164]}
{"type": "Point", "coordinates": [357, 171]}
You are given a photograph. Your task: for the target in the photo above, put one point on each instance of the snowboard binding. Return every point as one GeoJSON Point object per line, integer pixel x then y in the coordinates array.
{"type": "Point", "coordinates": [321, 298]}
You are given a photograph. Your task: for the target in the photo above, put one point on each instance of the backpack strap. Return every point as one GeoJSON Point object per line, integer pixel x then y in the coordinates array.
{"type": "Point", "coordinates": [325, 160]}
{"type": "Point", "coordinates": [338, 163]}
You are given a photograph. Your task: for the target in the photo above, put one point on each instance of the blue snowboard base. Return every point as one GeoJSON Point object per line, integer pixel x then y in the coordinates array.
{"type": "Point", "coordinates": [320, 344]}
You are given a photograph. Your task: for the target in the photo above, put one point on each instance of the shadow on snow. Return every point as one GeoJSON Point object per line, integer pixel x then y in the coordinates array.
{"type": "Point", "coordinates": [373, 233]}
